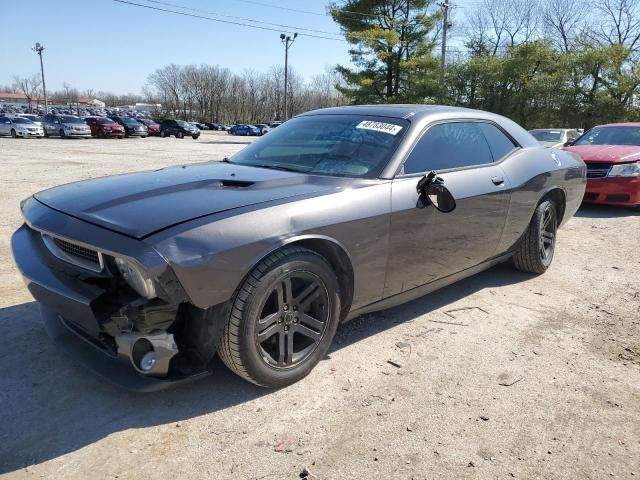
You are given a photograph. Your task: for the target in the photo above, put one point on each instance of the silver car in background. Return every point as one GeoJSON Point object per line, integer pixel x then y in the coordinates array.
{"type": "Point", "coordinates": [555, 137]}
{"type": "Point", "coordinates": [30, 116]}
{"type": "Point", "coordinates": [65, 126]}
{"type": "Point", "coordinates": [19, 127]}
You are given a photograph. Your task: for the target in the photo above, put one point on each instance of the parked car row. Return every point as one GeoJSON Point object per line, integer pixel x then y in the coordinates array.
{"type": "Point", "coordinates": [113, 126]}
{"type": "Point", "coordinates": [256, 129]}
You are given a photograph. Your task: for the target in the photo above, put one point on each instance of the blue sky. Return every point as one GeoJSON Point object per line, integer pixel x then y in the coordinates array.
{"type": "Point", "coordinates": [104, 45]}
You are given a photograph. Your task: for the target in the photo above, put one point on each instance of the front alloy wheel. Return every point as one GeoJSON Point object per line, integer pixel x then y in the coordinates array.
{"type": "Point", "coordinates": [283, 318]}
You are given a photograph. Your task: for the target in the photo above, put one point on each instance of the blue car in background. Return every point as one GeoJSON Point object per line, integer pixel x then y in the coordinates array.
{"type": "Point", "coordinates": [245, 130]}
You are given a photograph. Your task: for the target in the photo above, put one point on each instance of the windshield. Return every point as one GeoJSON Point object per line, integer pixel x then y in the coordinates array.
{"type": "Point", "coordinates": [611, 136]}
{"type": "Point", "coordinates": [69, 119]}
{"type": "Point", "coordinates": [33, 118]}
{"type": "Point", "coordinates": [21, 120]}
{"type": "Point", "coordinates": [339, 145]}
{"type": "Point", "coordinates": [547, 135]}
{"type": "Point", "coordinates": [129, 121]}
{"type": "Point", "coordinates": [182, 123]}
{"type": "Point", "coordinates": [105, 121]}
{"type": "Point", "coordinates": [147, 122]}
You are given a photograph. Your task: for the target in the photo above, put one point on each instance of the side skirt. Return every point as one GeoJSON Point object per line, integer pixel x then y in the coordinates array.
{"type": "Point", "coordinates": [422, 290]}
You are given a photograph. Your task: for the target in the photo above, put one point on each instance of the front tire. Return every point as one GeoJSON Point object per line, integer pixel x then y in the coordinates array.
{"type": "Point", "coordinates": [283, 318]}
{"type": "Point", "coordinates": [13, 133]}
{"type": "Point", "coordinates": [537, 245]}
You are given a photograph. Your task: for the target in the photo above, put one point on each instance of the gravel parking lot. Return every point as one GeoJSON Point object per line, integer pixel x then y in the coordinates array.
{"type": "Point", "coordinates": [503, 375]}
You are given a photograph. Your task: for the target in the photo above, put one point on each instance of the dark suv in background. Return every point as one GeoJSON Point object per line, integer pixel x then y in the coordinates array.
{"type": "Point", "coordinates": [178, 128]}
{"type": "Point", "coordinates": [132, 127]}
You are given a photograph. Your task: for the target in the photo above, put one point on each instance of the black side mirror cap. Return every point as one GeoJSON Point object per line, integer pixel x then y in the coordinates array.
{"type": "Point", "coordinates": [567, 144]}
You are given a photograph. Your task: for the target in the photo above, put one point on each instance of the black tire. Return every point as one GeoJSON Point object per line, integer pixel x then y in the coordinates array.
{"type": "Point", "coordinates": [163, 134]}
{"type": "Point", "coordinates": [537, 245]}
{"type": "Point", "coordinates": [195, 137]}
{"type": "Point", "coordinates": [100, 133]}
{"type": "Point", "coordinates": [179, 135]}
{"type": "Point", "coordinates": [308, 314]}
{"type": "Point", "coordinates": [62, 135]}
{"type": "Point", "coordinates": [13, 133]}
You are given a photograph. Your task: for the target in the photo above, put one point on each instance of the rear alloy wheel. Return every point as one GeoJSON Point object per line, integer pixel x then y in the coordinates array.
{"type": "Point", "coordinates": [13, 133]}
{"type": "Point", "coordinates": [538, 244]}
{"type": "Point", "coordinates": [283, 318]}
{"type": "Point", "coordinates": [179, 135]}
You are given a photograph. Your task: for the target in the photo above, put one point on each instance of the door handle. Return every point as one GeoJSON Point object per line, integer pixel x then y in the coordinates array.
{"type": "Point", "coordinates": [497, 180]}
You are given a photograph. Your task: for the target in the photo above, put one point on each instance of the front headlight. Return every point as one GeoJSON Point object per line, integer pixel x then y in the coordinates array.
{"type": "Point", "coordinates": [625, 170]}
{"type": "Point", "coordinates": [136, 279]}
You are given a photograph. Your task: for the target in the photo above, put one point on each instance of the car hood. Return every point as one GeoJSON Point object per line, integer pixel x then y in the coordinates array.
{"type": "Point", "coordinates": [607, 153]}
{"type": "Point", "coordinates": [140, 204]}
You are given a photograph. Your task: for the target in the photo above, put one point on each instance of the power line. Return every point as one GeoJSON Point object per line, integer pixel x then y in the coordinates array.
{"type": "Point", "coordinates": [202, 17]}
{"type": "Point", "coordinates": [167, 4]}
{"type": "Point", "coordinates": [309, 12]}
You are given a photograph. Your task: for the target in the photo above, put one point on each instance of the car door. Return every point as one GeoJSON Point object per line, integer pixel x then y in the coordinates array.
{"type": "Point", "coordinates": [5, 126]}
{"type": "Point", "coordinates": [425, 244]}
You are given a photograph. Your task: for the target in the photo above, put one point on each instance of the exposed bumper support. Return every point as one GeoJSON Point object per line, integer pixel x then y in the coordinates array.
{"type": "Point", "coordinates": [116, 370]}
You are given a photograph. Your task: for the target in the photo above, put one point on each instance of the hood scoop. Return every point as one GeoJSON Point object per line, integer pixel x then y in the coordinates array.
{"type": "Point", "coordinates": [235, 183]}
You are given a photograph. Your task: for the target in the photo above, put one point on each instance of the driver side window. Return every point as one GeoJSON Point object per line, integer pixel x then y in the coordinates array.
{"type": "Point", "coordinates": [449, 145]}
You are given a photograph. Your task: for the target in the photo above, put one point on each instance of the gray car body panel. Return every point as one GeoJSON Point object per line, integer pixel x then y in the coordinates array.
{"type": "Point", "coordinates": [211, 236]}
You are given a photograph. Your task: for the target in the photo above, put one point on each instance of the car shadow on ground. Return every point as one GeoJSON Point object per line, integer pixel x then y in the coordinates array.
{"type": "Point", "coordinates": [50, 406]}
{"type": "Point", "coordinates": [589, 210]}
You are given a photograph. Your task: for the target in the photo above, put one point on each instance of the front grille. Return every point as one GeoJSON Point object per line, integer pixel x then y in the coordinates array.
{"type": "Point", "coordinates": [598, 170]}
{"type": "Point", "coordinates": [73, 253]}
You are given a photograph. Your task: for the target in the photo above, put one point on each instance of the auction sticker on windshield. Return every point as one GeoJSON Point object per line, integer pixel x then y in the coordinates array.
{"type": "Point", "coordinates": [380, 127]}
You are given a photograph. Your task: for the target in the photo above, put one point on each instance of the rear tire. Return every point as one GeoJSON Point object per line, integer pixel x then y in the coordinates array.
{"type": "Point", "coordinates": [289, 300]}
{"type": "Point", "coordinates": [13, 133]}
{"type": "Point", "coordinates": [62, 135]}
{"type": "Point", "coordinates": [537, 245]}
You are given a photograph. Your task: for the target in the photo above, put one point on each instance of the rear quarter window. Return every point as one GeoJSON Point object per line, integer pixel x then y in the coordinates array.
{"type": "Point", "coordinates": [499, 143]}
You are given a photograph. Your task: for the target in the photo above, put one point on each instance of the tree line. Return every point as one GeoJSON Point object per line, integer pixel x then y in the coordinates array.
{"type": "Point", "coordinates": [572, 63]}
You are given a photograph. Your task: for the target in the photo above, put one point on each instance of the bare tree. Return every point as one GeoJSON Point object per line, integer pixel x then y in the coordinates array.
{"type": "Point", "coordinates": [563, 20]}
{"type": "Point", "coordinates": [621, 23]}
{"type": "Point", "coordinates": [29, 86]}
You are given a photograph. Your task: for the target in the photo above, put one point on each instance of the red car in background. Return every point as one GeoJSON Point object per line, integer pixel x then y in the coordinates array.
{"type": "Point", "coordinates": [103, 127]}
{"type": "Point", "coordinates": [152, 126]}
{"type": "Point", "coordinates": [612, 155]}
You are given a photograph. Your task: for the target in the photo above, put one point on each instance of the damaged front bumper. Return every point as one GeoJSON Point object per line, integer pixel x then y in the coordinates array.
{"type": "Point", "coordinates": [95, 316]}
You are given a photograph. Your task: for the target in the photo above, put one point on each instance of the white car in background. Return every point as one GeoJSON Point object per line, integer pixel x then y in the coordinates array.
{"type": "Point", "coordinates": [555, 137]}
{"type": "Point", "coordinates": [19, 127]}
{"type": "Point", "coordinates": [30, 116]}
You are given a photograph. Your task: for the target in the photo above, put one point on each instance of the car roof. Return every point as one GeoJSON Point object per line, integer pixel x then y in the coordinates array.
{"type": "Point", "coordinates": [422, 115]}
{"type": "Point", "coordinates": [391, 110]}
{"type": "Point", "coordinates": [621, 124]}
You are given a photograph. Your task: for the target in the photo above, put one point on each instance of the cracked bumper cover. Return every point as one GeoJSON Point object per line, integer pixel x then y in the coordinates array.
{"type": "Point", "coordinates": [74, 313]}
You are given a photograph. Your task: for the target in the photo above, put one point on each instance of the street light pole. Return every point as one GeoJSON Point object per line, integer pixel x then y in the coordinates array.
{"type": "Point", "coordinates": [287, 41]}
{"type": "Point", "coordinates": [38, 48]}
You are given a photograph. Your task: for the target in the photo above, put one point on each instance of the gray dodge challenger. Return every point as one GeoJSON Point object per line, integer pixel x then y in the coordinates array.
{"type": "Point", "coordinates": [145, 277]}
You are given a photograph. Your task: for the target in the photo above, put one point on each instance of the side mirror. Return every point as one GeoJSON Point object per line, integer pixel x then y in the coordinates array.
{"type": "Point", "coordinates": [440, 197]}
{"type": "Point", "coordinates": [431, 188]}
{"type": "Point", "coordinates": [567, 144]}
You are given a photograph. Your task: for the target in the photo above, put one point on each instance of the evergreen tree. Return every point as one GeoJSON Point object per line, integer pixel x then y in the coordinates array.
{"type": "Point", "coordinates": [392, 50]}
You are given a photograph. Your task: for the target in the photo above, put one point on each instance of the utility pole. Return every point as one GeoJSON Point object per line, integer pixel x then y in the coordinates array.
{"type": "Point", "coordinates": [287, 41]}
{"type": "Point", "coordinates": [445, 25]}
{"type": "Point", "coordinates": [38, 48]}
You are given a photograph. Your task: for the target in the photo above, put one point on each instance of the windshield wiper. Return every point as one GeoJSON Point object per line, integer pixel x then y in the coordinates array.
{"type": "Point", "coordinates": [274, 166]}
